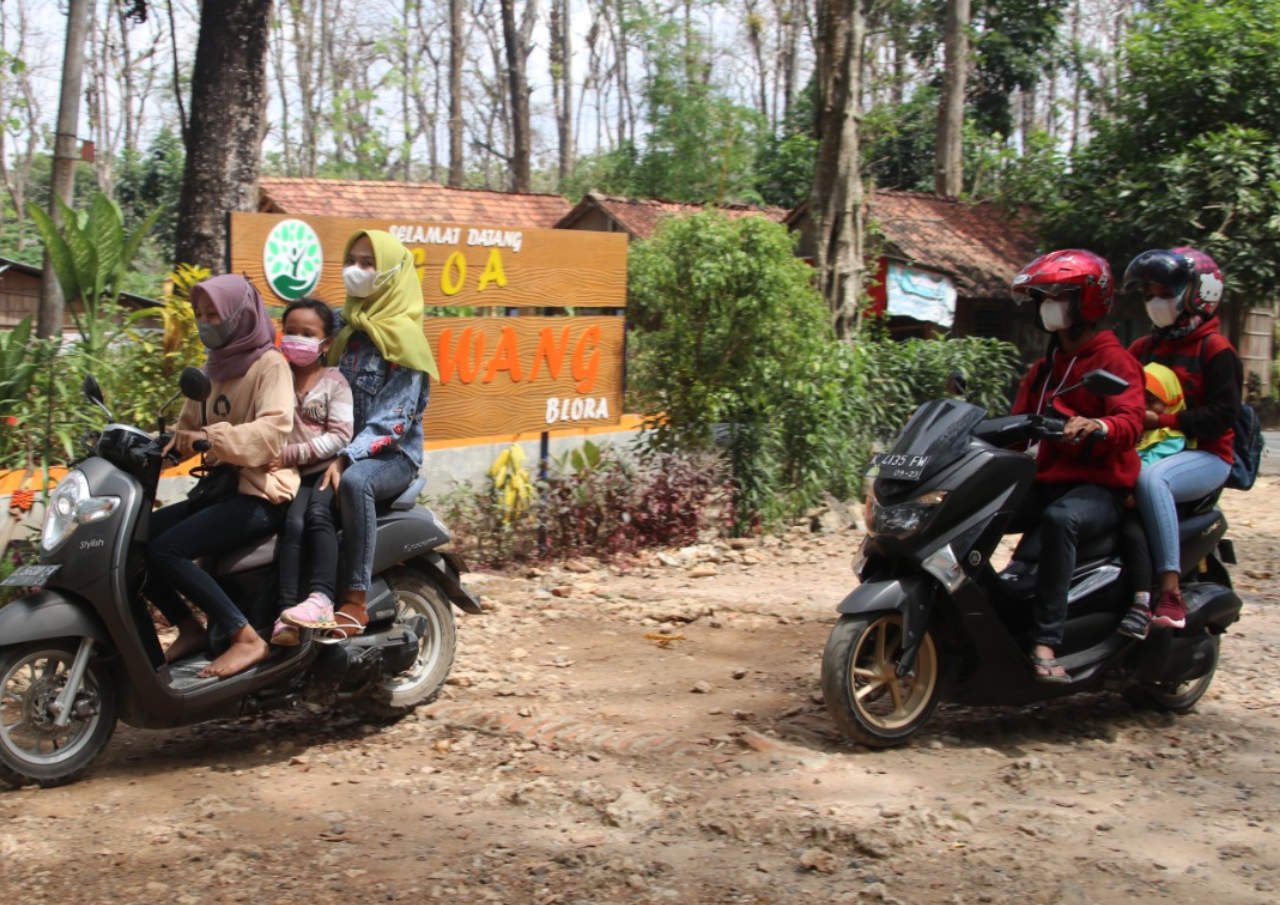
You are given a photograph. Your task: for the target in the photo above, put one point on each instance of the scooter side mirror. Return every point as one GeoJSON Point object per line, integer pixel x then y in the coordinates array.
{"type": "Point", "coordinates": [957, 384]}
{"type": "Point", "coordinates": [195, 384]}
{"type": "Point", "coordinates": [93, 392]}
{"type": "Point", "coordinates": [1102, 382]}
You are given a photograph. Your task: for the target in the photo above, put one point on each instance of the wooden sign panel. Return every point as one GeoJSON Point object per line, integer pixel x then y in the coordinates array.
{"type": "Point", "coordinates": [460, 264]}
{"type": "Point", "coordinates": [504, 375]}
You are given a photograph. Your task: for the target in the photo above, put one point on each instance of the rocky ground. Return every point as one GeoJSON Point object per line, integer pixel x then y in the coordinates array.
{"type": "Point", "coordinates": [655, 733]}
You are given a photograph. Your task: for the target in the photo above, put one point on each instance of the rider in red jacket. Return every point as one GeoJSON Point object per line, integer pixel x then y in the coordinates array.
{"type": "Point", "coordinates": [1081, 480]}
{"type": "Point", "coordinates": [1182, 288]}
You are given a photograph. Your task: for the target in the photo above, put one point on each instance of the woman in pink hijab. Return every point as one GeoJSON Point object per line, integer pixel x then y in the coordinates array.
{"type": "Point", "coordinates": [246, 420]}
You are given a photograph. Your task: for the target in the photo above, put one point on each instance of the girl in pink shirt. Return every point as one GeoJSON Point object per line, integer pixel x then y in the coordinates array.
{"type": "Point", "coordinates": [322, 426]}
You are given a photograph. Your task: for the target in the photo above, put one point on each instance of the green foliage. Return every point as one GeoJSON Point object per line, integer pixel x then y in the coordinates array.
{"type": "Point", "coordinates": [153, 182]}
{"type": "Point", "coordinates": [90, 254]}
{"type": "Point", "coordinates": [595, 501]}
{"type": "Point", "coordinates": [1189, 155]}
{"type": "Point", "coordinates": [735, 345]}
{"type": "Point", "coordinates": [898, 376]}
{"type": "Point", "coordinates": [898, 141]}
{"type": "Point", "coordinates": [16, 367]}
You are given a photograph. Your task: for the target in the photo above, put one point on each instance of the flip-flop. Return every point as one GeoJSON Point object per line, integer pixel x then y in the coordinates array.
{"type": "Point", "coordinates": [1048, 676]}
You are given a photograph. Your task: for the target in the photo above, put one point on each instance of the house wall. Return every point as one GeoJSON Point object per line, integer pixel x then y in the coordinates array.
{"type": "Point", "coordinates": [19, 297]}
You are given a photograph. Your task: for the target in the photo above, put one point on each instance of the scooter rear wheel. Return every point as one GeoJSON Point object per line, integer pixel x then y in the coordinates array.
{"type": "Point", "coordinates": [398, 695]}
{"type": "Point", "coordinates": [32, 747]}
{"type": "Point", "coordinates": [866, 697]}
{"type": "Point", "coordinates": [1181, 698]}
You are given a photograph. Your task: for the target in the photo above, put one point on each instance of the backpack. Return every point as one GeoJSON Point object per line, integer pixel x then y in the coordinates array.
{"type": "Point", "coordinates": [1246, 449]}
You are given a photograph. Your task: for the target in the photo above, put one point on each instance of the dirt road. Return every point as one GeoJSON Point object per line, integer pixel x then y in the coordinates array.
{"type": "Point", "coordinates": [574, 759]}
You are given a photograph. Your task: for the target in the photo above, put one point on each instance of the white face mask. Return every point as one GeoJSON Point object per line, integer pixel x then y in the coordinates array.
{"type": "Point", "coordinates": [1055, 315]}
{"type": "Point", "coordinates": [1162, 311]}
{"type": "Point", "coordinates": [359, 282]}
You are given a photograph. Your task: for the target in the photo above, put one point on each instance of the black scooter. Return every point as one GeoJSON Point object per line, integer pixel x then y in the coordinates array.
{"type": "Point", "coordinates": [933, 621]}
{"type": "Point", "coordinates": [80, 649]}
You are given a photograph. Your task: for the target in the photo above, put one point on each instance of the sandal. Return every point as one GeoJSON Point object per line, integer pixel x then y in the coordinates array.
{"type": "Point", "coordinates": [314, 612]}
{"type": "Point", "coordinates": [1050, 671]}
{"type": "Point", "coordinates": [284, 635]}
{"type": "Point", "coordinates": [347, 626]}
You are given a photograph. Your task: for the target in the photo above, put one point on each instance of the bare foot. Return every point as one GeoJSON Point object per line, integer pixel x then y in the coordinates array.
{"type": "Point", "coordinates": [247, 648]}
{"type": "Point", "coordinates": [192, 638]}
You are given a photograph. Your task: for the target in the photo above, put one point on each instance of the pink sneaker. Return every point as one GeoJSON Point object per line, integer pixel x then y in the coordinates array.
{"type": "Point", "coordinates": [1170, 611]}
{"type": "Point", "coordinates": [314, 612]}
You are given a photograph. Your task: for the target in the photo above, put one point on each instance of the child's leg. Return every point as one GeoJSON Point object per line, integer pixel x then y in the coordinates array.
{"type": "Point", "coordinates": [322, 543]}
{"type": "Point", "coordinates": [289, 546]}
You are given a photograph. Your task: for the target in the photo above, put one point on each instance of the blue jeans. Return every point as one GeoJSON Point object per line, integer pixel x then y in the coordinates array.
{"type": "Point", "coordinates": [1182, 477]}
{"type": "Point", "coordinates": [179, 537]}
{"type": "Point", "coordinates": [364, 484]}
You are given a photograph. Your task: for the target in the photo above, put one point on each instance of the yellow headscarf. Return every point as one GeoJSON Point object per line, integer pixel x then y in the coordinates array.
{"type": "Point", "coordinates": [1164, 385]}
{"type": "Point", "coordinates": [392, 315]}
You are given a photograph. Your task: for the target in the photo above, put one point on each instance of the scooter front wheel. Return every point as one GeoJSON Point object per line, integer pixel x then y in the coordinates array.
{"type": "Point", "coordinates": [33, 748]}
{"type": "Point", "coordinates": [866, 697]}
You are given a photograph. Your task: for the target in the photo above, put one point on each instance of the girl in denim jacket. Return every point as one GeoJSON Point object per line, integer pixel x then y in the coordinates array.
{"type": "Point", "coordinates": [382, 352]}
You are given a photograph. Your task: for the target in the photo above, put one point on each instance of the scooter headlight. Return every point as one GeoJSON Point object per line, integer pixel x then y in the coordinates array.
{"type": "Point", "coordinates": [70, 505]}
{"type": "Point", "coordinates": [906, 518]}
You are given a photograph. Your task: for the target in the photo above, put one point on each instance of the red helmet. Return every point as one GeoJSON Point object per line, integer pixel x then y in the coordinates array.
{"type": "Point", "coordinates": [1083, 274]}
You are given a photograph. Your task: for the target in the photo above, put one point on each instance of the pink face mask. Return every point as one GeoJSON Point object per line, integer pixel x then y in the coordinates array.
{"type": "Point", "coordinates": [300, 350]}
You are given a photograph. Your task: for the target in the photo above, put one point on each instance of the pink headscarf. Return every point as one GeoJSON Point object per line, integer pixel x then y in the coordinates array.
{"type": "Point", "coordinates": [234, 297]}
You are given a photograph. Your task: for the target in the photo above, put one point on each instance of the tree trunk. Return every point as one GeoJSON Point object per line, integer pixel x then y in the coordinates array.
{"type": "Point", "coordinates": [457, 55]}
{"type": "Point", "coordinates": [50, 313]}
{"type": "Point", "coordinates": [948, 169]}
{"type": "Point", "coordinates": [518, 88]}
{"type": "Point", "coordinates": [228, 120]}
{"type": "Point", "coordinates": [836, 205]}
{"type": "Point", "coordinates": [561, 55]}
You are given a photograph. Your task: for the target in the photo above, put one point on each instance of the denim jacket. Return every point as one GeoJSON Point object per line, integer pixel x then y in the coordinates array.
{"type": "Point", "coordinates": [387, 400]}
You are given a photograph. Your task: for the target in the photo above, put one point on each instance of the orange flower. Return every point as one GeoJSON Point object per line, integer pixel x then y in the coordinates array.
{"type": "Point", "coordinates": [22, 500]}
{"type": "Point", "coordinates": [12, 421]}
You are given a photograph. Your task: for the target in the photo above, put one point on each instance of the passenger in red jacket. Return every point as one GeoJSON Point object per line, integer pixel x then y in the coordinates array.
{"type": "Point", "coordinates": [1182, 288]}
{"type": "Point", "coordinates": [1081, 480]}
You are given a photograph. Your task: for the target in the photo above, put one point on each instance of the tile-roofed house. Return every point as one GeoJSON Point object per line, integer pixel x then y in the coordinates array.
{"type": "Point", "coordinates": [639, 218]}
{"type": "Point", "coordinates": [979, 246]}
{"type": "Point", "coordinates": [379, 200]}
{"type": "Point", "coordinates": [20, 296]}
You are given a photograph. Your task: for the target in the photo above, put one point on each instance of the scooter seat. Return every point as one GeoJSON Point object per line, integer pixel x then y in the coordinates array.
{"type": "Point", "coordinates": [252, 556]}
{"type": "Point", "coordinates": [409, 497]}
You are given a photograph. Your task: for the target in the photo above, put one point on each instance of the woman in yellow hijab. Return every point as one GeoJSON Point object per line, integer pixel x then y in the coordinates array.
{"type": "Point", "coordinates": [382, 351]}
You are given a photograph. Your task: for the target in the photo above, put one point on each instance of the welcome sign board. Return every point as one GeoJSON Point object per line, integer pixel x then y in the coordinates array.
{"type": "Point", "coordinates": [498, 374]}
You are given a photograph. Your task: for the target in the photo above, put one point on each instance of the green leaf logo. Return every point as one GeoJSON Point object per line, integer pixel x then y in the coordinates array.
{"type": "Point", "coordinates": [291, 259]}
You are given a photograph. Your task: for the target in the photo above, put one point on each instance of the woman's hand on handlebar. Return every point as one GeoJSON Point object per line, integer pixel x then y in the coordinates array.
{"type": "Point", "coordinates": [1078, 428]}
{"type": "Point", "coordinates": [184, 442]}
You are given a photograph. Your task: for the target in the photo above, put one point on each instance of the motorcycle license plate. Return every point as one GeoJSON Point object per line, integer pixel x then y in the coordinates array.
{"type": "Point", "coordinates": [30, 576]}
{"type": "Point", "coordinates": [898, 467]}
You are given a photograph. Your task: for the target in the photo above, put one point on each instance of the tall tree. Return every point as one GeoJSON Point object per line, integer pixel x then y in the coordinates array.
{"type": "Point", "coordinates": [836, 206]}
{"type": "Point", "coordinates": [457, 58]}
{"type": "Point", "coordinates": [948, 172]}
{"type": "Point", "coordinates": [561, 58]}
{"type": "Point", "coordinates": [517, 38]}
{"type": "Point", "coordinates": [228, 120]}
{"type": "Point", "coordinates": [52, 305]}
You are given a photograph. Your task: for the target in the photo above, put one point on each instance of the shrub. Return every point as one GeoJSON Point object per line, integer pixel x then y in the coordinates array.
{"type": "Point", "coordinates": [593, 501]}
{"type": "Point", "coordinates": [733, 345]}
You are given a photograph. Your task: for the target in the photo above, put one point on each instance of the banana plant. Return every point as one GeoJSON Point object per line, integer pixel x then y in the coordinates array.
{"type": "Point", "coordinates": [16, 367]}
{"type": "Point", "coordinates": [90, 255]}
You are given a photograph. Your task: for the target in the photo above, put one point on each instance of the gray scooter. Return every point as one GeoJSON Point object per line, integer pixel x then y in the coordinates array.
{"type": "Point", "coordinates": [79, 650]}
